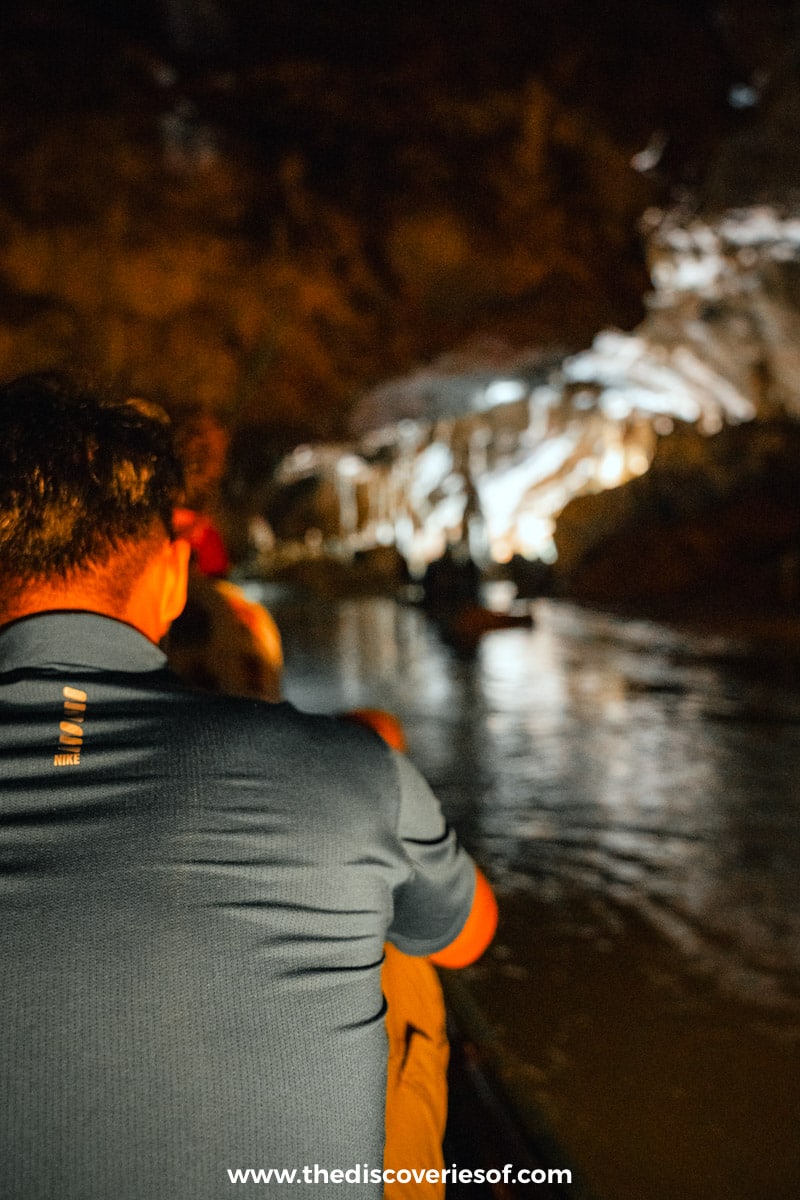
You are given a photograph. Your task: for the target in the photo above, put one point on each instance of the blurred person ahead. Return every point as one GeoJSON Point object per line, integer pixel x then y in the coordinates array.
{"type": "Point", "coordinates": [194, 889]}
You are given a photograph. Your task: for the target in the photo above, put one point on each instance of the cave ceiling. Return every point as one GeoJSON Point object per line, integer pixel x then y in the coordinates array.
{"type": "Point", "coordinates": [270, 208]}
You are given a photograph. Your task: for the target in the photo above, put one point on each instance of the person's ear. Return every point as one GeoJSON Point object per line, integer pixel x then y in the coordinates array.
{"type": "Point", "coordinates": [175, 581]}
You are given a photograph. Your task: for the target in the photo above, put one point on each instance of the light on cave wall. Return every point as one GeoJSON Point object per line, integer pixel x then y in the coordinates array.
{"type": "Point", "coordinates": [534, 537]}
{"type": "Point", "coordinates": [501, 391]}
{"type": "Point", "coordinates": [503, 456]}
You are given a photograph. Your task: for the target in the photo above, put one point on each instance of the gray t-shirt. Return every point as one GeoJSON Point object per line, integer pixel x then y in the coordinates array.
{"type": "Point", "coordinates": [194, 895]}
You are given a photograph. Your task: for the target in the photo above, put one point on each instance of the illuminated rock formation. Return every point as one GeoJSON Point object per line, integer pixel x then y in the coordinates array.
{"type": "Point", "coordinates": [504, 454]}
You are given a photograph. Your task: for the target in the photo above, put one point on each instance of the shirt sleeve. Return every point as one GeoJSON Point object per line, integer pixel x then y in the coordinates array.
{"type": "Point", "coordinates": [432, 904]}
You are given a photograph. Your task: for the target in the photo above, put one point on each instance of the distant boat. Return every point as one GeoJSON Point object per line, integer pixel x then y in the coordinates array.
{"type": "Point", "coordinates": [464, 628]}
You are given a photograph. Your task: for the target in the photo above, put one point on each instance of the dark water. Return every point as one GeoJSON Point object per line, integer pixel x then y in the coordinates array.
{"type": "Point", "coordinates": [636, 799]}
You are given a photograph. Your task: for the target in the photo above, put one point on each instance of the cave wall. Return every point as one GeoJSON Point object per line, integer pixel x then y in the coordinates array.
{"type": "Point", "coordinates": [714, 520]}
{"type": "Point", "coordinates": [274, 220]}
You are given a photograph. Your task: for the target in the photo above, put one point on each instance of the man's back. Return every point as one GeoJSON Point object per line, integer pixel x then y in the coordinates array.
{"type": "Point", "coordinates": [194, 893]}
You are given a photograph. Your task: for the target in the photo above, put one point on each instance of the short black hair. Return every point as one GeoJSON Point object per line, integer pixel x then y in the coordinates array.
{"type": "Point", "coordinates": [83, 475]}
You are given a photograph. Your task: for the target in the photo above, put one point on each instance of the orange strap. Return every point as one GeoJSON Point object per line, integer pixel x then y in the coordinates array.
{"type": "Point", "coordinates": [478, 930]}
{"type": "Point", "coordinates": [382, 722]}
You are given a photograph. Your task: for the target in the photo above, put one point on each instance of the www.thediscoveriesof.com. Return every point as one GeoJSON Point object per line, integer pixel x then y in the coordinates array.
{"type": "Point", "coordinates": [363, 1173]}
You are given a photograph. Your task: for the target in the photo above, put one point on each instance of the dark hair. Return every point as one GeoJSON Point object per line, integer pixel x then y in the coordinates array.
{"type": "Point", "coordinates": [82, 477]}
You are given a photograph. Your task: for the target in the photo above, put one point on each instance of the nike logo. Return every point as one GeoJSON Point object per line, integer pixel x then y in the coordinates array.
{"type": "Point", "coordinates": [71, 728]}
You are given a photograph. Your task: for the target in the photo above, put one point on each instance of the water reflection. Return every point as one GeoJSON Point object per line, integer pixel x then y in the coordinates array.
{"type": "Point", "coordinates": [634, 797]}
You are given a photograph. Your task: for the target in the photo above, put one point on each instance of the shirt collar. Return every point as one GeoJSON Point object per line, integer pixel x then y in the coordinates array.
{"type": "Point", "coordinates": [57, 639]}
